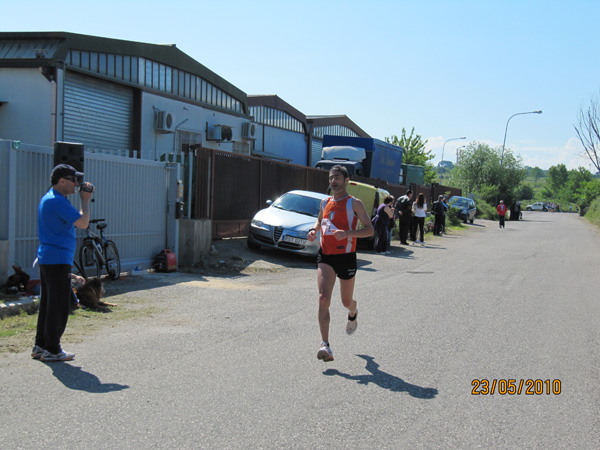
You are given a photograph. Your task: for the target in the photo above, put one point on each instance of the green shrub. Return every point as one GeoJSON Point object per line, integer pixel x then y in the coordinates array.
{"type": "Point", "coordinates": [452, 217]}
{"type": "Point", "coordinates": [593, 212]}
{"type": "Point", "coordinates": [486, 211]}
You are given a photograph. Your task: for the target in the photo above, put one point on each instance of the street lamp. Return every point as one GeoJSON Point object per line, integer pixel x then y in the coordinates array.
{"type": "Point", "coordinates": [503, 143]}
{"type": "Point", "coordinates": [444, 146]}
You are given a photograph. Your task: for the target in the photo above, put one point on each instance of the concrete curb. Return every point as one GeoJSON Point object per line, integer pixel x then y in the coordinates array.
{"type": "Point", "coordinates": [28, 304]}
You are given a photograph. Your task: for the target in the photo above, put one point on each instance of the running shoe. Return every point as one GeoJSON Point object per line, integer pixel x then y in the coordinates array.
{"type": "Point", "coordinates": [325, 352]}
{"type": "Point", "coordinates": [61, 356]}
{"type": "Point", "coordinates": [36, 352]}
{"type": "Point", "coordinates": [352, 324]}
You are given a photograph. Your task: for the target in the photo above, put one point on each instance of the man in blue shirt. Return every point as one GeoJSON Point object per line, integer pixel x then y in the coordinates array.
{"type": "Point", "coordinates": [57, 220]}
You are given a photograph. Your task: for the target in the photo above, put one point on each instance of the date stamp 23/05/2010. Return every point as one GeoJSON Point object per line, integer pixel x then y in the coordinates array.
{"type": "Point", "coordinates": [515, 387]}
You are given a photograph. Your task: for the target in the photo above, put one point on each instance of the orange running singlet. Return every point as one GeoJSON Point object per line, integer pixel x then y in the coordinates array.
{"type": "Point", "coordinates": [338, 214]}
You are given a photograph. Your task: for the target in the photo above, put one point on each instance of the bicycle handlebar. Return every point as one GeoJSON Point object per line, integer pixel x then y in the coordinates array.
{"type": "Point", "coordinates": [97, 220]}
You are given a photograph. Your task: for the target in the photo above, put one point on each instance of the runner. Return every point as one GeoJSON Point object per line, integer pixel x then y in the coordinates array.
{"type": "Point", "coordinates": [338, 221]}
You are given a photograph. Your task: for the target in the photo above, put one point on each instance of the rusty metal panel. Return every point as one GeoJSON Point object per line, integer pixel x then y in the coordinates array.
{"type": "Point", "coordinates": [203, 186]}
{"type": "Point", "coordinates": [230, 228]}
{"type": "Point", "coordinates": [317, 180]}
{"type": "Point", "coordinates": [236, 187]}
{"type": "Point", "coordinates": [279, 178]}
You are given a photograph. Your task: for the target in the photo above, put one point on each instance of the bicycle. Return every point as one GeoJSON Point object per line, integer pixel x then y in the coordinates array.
{"type": "Point", "coordinates": [97, 252]}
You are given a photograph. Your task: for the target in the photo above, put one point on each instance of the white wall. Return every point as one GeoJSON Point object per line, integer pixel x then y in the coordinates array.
{"type": "Point", "coordinates": [186, 117]}
{"type": "Point", "coordinates": [285, 143]}
{"type": "Point", "coordinates": [27, 116]}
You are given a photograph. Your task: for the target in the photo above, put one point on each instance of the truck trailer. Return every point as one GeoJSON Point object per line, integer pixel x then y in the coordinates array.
{"type": "Point", "coordinates": [367, 157]}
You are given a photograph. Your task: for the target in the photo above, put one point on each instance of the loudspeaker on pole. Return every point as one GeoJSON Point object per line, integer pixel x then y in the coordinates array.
{"type": "Point", "coordinates": [69, 153]}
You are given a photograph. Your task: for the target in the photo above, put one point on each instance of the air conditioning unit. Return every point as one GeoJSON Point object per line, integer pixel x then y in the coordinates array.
{"type": "Point", "coordinates": [164, 122]}
{"type": "Point", "coordinates": [249, 130]}
{"type": "Point", "coordinates": [218, 133]}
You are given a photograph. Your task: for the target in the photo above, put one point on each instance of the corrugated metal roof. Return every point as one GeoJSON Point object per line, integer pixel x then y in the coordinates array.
{"type": "Point", "coordinates": [28, 49]}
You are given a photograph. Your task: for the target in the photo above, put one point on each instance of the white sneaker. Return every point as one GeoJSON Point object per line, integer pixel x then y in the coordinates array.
{"type": "Point", "coordinates": [61, 356]}
{"type": "Point", "coordinates": [325, 352]}
{"type": "Point", "coordinates": [36, 352]}
{"type": "Point", "coordinates": [352, 325]}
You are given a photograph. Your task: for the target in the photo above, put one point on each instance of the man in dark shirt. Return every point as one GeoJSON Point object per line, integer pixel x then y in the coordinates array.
{"type": "Point", "coordinates": [403, 208]}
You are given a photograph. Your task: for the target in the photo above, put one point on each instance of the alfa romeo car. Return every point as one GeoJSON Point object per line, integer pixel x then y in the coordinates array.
{"type": "Point", "coordinates": [284, 225]}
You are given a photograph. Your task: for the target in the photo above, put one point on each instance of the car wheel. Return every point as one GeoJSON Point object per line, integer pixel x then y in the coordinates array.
{"type": "Point", "coordinates": [472, 220]}
{"type": "Point", "coordinates": [252, 245]}
{"type": "Point", "coordinates": [528, 209]}
{"type": "Point", "coordinates": [464, 220]}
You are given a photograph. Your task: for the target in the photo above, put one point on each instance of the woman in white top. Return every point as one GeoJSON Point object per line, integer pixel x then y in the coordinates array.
{"type": "Point", "coordinates": [420, 208]}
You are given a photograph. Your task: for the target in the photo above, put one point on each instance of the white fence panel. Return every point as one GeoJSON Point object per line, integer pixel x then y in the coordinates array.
{"type": "Point", "coordinates": [132, 195]}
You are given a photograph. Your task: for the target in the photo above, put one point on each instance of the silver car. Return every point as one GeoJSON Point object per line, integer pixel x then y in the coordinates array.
{"type": "Point", "coordinates": [285, 223]}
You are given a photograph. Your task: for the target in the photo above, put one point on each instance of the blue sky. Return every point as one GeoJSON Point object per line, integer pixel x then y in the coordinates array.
{"type": "Point", "coordinates": [446, 68]}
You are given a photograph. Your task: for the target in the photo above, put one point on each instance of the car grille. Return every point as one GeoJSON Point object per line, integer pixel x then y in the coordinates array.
{"type": "Point", "coordinates": [277, 233]}
{"type": "Point", "coordinates": [276, 242]}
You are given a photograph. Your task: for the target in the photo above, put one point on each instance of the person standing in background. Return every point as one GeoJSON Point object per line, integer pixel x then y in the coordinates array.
{"type": "Point", "coordinates": [403, 209]}
{"type": "Point", "coordinates": [502, 213]}
{"type": "Point", "coordinates": [420, 208]}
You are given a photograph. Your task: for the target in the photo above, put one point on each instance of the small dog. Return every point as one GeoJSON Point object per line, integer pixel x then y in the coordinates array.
{"type": "Point", "coordinates": [90, 294]}
{"type": "Point", "coordinates": [18, 280]}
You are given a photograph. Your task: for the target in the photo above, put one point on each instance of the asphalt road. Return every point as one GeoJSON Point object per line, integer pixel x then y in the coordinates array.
{"type": "Point", "coordinates": [230, 362]}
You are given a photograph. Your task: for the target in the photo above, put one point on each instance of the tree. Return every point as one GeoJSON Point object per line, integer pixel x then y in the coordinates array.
{"type": "Point", "coordinates": [588, 130]}
{"type": "Point", "coordinates": [537, 173]}
{"type": "Point", "coordinates": [525, 192]}
{"type": "Point", "coordinates": [557, 177]}
{"type": "Point", "coordinates": [478, 170]}
{"type": "Point", "coordinates": [415, 153]}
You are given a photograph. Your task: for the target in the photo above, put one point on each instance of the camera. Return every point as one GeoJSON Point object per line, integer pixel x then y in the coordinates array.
{"type": "Point", "coordinates": [86, 188]}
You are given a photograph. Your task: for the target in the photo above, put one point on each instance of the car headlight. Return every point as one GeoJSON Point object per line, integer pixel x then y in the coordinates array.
{"type": "Point", "coordinates": [260, 224]}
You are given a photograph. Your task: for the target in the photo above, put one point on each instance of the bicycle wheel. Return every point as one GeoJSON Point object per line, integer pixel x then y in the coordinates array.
{"type": "Point", "coordinates": [88, 261]}
{"type": "Point", "coordinates": [112, 260]}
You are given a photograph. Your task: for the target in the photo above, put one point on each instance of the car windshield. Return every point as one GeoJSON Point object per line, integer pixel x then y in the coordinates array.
{"type": "Point", "coordinates": [300, 204]}
{"type": "Point", "coordinates": [459, 202]}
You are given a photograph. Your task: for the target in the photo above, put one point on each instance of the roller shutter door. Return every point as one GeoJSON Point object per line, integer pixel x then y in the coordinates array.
{"type": "Point", "coordinates": [97, 113]}
{"type": "Point", "coordinates": [316, 150]}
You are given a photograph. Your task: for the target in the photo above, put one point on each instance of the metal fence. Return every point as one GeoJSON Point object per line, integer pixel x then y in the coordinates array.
{"type": "Point", "coordinates": [135, 197]}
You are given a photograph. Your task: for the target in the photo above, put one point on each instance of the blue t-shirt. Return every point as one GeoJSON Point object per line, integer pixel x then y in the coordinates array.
{"type": "Point", "coordinates": [56, 231]}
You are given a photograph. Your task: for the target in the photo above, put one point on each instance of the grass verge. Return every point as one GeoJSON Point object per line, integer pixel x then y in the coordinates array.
{"type": "Point", "coordinates": [17, 333]}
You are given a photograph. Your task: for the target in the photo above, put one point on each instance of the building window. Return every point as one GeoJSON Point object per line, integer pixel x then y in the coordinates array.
{"type": "Point", "coordinates": [119, 67]}
{"type": "Point", "coordinates": [151, 74]}
{"type": "Point", "coordinates": [102, 66]}
{"type": "Point", "coordinates": [76, 58]}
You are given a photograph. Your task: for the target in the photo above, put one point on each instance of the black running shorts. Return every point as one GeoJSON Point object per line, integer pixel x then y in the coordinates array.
{"type": "Point", "coordinates": [343, 264]}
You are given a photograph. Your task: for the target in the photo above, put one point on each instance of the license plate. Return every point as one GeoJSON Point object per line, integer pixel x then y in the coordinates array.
{"type": "Point", "coordinates": [294, 240]}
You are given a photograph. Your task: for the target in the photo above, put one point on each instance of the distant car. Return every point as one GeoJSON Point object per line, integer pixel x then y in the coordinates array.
{"type": "Point", "coordinates": [537, 206]}
{"type": "Point", "coordinates": [284, 225]}
{"type": "Point", "coordinates": [465, 206]}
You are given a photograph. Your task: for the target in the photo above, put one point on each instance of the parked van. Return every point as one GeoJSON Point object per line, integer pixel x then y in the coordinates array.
{"type": "Point", "coordinates": [371, 197]}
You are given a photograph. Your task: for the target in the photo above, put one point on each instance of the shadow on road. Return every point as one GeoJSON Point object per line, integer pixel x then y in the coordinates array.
{"type": "Point", "coordinates": [78, 379]}
{"type": "Point", "coordinates": [385, 380]}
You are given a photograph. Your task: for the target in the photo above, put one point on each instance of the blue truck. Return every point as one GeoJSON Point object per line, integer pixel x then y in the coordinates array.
{"type": "Point", "coordinates": [367, 157]}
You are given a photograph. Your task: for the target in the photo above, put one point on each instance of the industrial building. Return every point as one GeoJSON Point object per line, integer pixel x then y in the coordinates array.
{"type": "Point", "coordinates": [143, 100]}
